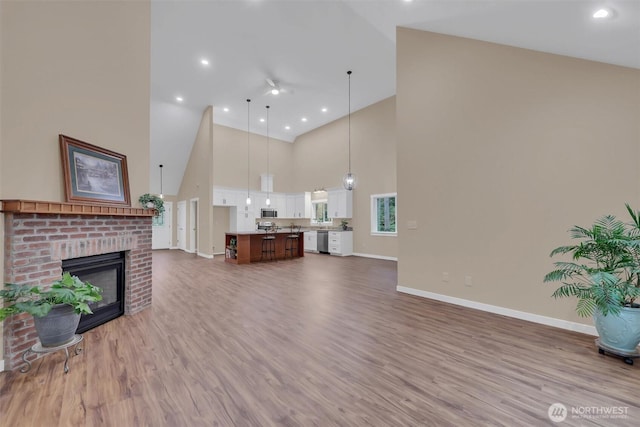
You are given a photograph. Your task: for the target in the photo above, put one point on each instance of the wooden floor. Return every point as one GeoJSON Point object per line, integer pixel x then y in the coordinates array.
{"type": "Point", "coordinates": [317, 341]}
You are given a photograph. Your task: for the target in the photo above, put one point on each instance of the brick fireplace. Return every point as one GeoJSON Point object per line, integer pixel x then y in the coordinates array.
{"type": "Point", "coordinates": [40, 235]}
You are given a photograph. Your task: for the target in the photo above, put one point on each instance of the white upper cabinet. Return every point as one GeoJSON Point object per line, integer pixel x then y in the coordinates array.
{"type": "Point", "coordinates": [340, 203]}
{"type": "Point", "coordinates": [291, 205]}
{"type": "Point", "coordinates": [258, 201]}
{"type": "Point", "coordinates": [290, 211]}
{"type": "Point", "coordinates": [279, 203]}
{"type": "Point", "coordinates": [302, 205]}
{"type": "Point", "coordinates": [226, 197]}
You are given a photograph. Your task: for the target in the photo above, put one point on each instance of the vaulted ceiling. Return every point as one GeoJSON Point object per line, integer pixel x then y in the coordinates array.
{"type": "Point", "coordinates": [306, 48]}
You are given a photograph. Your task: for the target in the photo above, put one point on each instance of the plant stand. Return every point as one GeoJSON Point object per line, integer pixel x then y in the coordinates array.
{"type": "Point", "coordinates": [627, 356]}
{"type": "Point", "coordinates": [39, 348]}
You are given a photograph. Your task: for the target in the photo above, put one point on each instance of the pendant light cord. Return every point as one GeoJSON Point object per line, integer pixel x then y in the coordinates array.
{"type": "Point", "coordinates": [268, 152]}
{"type": "Point", "coordinates": [248, 146]}
{"type": "Point", "coordinates": [349, 74]}
{"type": "Point", "coordinates": [161, 181]}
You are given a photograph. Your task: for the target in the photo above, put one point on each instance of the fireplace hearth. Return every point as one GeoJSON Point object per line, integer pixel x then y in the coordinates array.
{"type": "Point", "coordinates": [42, 237]}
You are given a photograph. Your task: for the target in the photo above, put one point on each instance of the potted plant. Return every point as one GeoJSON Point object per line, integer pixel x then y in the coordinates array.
{"type": "Point", "coordinates": [151, 201]}
{"type": "Point", "coordinates": [344, 224]}
{"type": "Point", "coordinates": [56, 310]}
{"type": "Point", "coordinates": [604, 275]}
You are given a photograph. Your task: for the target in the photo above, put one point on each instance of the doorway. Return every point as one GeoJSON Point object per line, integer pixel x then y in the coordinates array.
{"type": "Point", "coordinates": [193, 226]}
{"type": "Point", "coordinates": [162, 229]}
{"type": "Point", "coordinates": [182, 225]}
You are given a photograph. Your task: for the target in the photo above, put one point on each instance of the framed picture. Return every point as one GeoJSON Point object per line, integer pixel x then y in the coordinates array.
{"type": "Point", "coordinates": [93, 174]}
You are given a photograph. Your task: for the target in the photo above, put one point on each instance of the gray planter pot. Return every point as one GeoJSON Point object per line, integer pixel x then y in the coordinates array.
{"type": "Point", "coordinates": [58, 327]}
{"type": "Point", "coordinates": [620, 332]}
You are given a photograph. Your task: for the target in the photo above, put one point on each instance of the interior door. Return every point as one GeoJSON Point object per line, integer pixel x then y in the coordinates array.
{"type": "Point", "coordinates": [182, 225]}
{"type": "Point", "coordinates": [161, 237]}
{"type": "Point", "coordinates": [193, 226]}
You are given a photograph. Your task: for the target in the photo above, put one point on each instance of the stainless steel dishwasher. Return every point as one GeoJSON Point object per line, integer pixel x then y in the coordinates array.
{"type": "Point", "coordinates": [323, 241]}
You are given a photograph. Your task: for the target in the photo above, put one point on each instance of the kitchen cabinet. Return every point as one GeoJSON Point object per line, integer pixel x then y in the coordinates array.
{"type": "Point", "coordinates": [311, 241]}
{"type": "Point", "coordinates": [246, 247]}
{"type": "Point", "coordinates": [341, 243]}
{"type": "Point", "coordinates": [303, 205]}
{"type": "Point", "coordinates": [241, 219]}
{"type": "Point", "coordinates": [279, 203]}
{"type": "Point", "coordinates": [288, 205]}
{"type": "Point", "coordinates": [290, 201]}
{"type": "Point", "coordinates": [298, 206]}
{"type": "Point", "coordinates": [226, 197]}
{"type": "Point", "coordinates": [340, 203]}
{"type": "Point", "coordinates": [258, 200]}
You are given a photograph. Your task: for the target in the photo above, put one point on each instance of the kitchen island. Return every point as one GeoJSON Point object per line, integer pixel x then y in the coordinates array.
{"type": "Point", "coordinates": [246, 247]}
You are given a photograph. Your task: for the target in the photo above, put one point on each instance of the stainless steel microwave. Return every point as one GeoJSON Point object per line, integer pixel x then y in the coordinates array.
{"type": "Point", "coordinates": [268, 213]}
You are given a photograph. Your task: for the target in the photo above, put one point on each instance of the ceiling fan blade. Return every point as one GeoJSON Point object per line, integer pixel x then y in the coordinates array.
{"type": "Point", "coordinates": [271, 83]}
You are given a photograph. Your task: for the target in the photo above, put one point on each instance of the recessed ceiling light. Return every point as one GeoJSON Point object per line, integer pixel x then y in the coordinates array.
{"type": "Point", "coordinates": [179, 99]}
{"type": "Point", "coordinates": [225, 109]}
{"type": "Point", "coordinates": [261, 120]}
{"type": "Point", "coordinates": [204, 61]}
{"type": "Point", "coordinates": [275, 91]}
{"type": "Point", "coordinates": [287, 127]}
{"type": "Point", "coordinates": [601, 13]}
{"type": "Point", "coordinates": [324, 110]}
{"type": "Point", "coordinates": [304, 119]}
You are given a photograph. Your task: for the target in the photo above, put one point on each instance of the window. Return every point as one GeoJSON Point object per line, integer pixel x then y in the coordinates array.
{"type": "Point", "coordinates": [383, 214]}
{"type": "Point", "coordinates": [319, 214]}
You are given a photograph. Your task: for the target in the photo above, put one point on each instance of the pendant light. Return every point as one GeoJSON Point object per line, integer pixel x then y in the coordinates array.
{"type": "Point", "coordinates": [248, 150]}
{"type": "Point", "coordinates": [161, 195]}
{"type": "Point", "coordinates": [268, 201]}
{"type": "Point", "coordinates": [349, 180]}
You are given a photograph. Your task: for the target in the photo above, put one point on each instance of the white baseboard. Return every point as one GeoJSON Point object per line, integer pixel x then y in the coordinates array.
{"type": "Point", "coordinates": [388, 258]}
{"type": "Point", "coordinates": [218, 253]}
{"type": "Point", "coordinates": [522, 315]}
{"type": "Point", "coordinates": [189, 251]}
{"type": "Point", "coordinates": [174, 247]}
{"type": "Point", "coordinates": [203, 255]}
{"type": "Point", "coordinates": [1, 365]}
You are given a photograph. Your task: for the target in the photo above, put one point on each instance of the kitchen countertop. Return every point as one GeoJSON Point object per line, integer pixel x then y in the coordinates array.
{"type": "Point", "coordinates": [261, 232]}
{"type": "Point", "coordinates": [325, 229]}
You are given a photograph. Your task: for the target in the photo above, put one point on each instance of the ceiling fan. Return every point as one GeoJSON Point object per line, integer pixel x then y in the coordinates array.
{"type": "Point", "coordinates": [274, 88]}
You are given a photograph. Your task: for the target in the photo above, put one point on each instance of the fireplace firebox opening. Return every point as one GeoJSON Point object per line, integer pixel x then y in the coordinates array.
{"type": "Point", "coordinates": [107, 272]}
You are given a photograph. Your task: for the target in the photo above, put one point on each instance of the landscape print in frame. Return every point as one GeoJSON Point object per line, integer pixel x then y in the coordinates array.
{"type": "Point", "coordinates": [93, 174]}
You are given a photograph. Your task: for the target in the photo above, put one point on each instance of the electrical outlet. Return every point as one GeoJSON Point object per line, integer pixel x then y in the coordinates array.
{"type": "Point", "coordinates": [467, 281]}
{"type": "Point", "coordinates": [445, 277]}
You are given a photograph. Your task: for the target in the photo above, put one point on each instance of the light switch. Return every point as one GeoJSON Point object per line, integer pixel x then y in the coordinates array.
{"type": "Point", "coordinates": [412, 225]}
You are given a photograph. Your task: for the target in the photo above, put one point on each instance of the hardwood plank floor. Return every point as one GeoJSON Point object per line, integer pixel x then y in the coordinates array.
{"type": "Point", "coordinates": [317, 341]}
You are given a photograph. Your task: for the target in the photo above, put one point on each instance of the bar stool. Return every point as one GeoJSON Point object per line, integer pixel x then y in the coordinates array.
{"type": "Point", "coordinates": [292, 242]}
{"type": "Point", "coordinates": [268, 246]}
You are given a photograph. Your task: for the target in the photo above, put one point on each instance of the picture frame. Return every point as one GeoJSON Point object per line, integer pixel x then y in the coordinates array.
{"type": "Point", "coordinates": [93, 174]}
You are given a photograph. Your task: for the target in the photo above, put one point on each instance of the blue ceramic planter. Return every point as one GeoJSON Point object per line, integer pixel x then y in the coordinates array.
{"type": "Point", "coordinates": [621, 332]}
